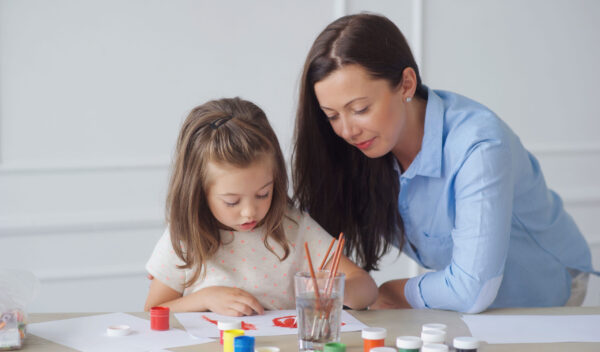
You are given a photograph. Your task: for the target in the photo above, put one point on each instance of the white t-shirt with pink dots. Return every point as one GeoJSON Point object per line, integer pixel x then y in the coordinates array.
{"type": "Point", "coordinates": [244, 262]}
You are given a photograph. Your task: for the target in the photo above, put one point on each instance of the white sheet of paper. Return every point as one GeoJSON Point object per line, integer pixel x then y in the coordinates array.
{"type": "Point", "coordinates": [89, 334]}
{"type": "Point", "coordinates": [198, 325]}
{"type": "Point", "coordinates": [534, 328]}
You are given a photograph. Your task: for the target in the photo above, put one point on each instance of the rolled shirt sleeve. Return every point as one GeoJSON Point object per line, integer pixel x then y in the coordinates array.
{"type": "Point", "coordinates": [483, 191]}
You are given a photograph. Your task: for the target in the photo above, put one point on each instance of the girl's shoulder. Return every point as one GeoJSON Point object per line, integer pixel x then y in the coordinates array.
{"type": "Point", "coordinates": [293, 213]}
{"type": "Point", "coordinates": [165, 246]}
{"type": "Point", "coordinates": [299, 225]}
{"type": "Point", "coordinates": [295, 217]}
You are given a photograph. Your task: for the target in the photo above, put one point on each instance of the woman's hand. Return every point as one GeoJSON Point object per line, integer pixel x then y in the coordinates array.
{"type": "Point", "coordinates": [391, 295]}
{"type": "Point", "coordinates": [229, 301]}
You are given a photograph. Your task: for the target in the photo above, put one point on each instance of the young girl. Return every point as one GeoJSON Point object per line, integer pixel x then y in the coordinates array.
{"type": "Point", "coordinates": [234, 242]}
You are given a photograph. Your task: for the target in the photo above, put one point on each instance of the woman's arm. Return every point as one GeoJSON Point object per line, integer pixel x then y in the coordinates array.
{"type": "Point", "coordinates": [391, 295]}
{"type": "Point", "coordinates": [360, 289]}
{"type": "Point", "coordinates": [218, 299]}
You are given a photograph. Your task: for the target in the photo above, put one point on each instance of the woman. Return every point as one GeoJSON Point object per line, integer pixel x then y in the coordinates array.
{"type": "Point", "coordinates": [388, 161]}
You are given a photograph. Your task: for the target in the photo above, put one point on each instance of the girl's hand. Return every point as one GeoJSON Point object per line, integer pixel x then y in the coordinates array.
{"type": "Point", "coordinates": [230, 301]}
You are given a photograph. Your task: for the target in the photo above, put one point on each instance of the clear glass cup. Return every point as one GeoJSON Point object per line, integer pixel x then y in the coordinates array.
{"type": "Point", "coordinates": [319, 320]}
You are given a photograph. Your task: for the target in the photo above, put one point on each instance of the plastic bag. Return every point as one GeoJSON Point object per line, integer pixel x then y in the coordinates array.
{"type": "Point", "coordinates": [17, 290]}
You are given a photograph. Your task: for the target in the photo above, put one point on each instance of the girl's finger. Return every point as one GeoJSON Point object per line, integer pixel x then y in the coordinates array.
{"type": "Point", "coordinates": [252, 302]}
{"type": "Point", "coordinates": [241, 308]}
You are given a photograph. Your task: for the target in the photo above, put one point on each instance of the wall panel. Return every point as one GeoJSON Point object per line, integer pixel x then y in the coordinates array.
{"type": "Point", "coordinates": [92, 94]}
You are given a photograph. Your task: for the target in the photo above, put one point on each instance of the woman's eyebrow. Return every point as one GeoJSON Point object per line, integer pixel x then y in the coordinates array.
{"type": "Point", "coordinates": [348, 103]}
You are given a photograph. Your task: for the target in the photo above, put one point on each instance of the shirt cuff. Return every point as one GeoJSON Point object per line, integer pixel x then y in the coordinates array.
{"type": "Point", "coordinates": [412, 292]}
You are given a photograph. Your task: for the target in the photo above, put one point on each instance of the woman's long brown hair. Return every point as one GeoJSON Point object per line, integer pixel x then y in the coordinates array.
{"type": "Point", "coordinates": [341, 188]}
{"type": "Point", "coordinates": [231, 131]}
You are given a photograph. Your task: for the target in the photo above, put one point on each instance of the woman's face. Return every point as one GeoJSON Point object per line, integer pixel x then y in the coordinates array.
{"type": "Point", "coordinates": [365, 112]}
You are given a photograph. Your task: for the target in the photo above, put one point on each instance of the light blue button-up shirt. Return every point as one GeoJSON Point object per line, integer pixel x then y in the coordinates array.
{"type": "Point", "coordinates": [477, 210]}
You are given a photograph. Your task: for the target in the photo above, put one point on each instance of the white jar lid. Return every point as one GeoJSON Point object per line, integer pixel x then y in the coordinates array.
{"type": "Point", "coordinates": [374, 333]}
{"type": "Point", "coordinates": [383, 349]}
{"type": "Point", "coordinates": [266, 349]}
{"type": "Point", "coordinates": [466, 342]}
{"type": "Point", "coordinates": [408, 342]}
{"type": "Point", "coordinates": [118, 330]}
{"type": "Point", "coordinates": [433, 336]}
{"type": "Point", "coordinates": [229, 324]}
{"type": "Point", "coordinates": [434, 347]}
{"type": "Point", "coordinates": [434, 326]}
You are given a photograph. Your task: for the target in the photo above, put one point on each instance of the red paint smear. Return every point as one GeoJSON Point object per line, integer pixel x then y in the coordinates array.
{"type": "Point", "coordinates": [289, 321]}
{"type": "Point", "coordinates": [248, 326]}
{"type": "Point", "coordinates": [209, 320]}
{"type": "Point", "coordinates": [245, 326]}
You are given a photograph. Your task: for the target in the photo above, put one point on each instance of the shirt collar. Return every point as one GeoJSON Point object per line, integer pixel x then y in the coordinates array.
{"type": "Point", "coordinates": [428, 161]}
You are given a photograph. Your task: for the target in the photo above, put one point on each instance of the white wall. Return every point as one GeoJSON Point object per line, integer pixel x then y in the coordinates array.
{"type": "Point", "coordinates": [92, 94]}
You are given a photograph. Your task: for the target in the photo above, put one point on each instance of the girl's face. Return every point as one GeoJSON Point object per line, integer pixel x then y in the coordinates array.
{"type": "Point", "coordinates": [239, 198]}
{"type": "Point", "coordinates": [365, 112]}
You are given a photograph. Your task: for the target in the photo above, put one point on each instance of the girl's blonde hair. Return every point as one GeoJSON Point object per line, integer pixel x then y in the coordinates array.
{"type": "Point", "coordinates": [231, 131]}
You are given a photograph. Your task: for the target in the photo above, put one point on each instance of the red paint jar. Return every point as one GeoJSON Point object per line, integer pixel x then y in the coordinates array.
{"type": "Point", "coordinates": [159, 318]}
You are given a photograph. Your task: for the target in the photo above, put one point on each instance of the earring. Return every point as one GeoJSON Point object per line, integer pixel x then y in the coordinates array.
{"type": "Point", "coordinates": [408, 99]}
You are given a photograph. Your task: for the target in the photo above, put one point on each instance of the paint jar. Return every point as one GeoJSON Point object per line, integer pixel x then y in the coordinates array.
{"type": "Point", "coordinates": [373, 337]}
{"type": "Point", "coordinates": [434, 347]}
{"type": "Point", "coordinates": [228, 337]}
{"type": "Point", "coordinates": [434, 326]}
{"type": "Point", "coordinates": [334, 347]}
{"type": "Point", "coordinates": [224, 325]}
{"type": "Point", "coordinates": [383, 349]}
{"type": "Point", "coordinates": [243, 344]}
{"type": "Point", "coordinates": [465, 344]}
{"type": "Point", "coordinates": [267, 349]}
{"type": "Point", "coordinates": [408, 343]}
{"type": "Point", "coordinates": [159, 318]}
{"type": "Point", "coordinates": [433, 336]}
